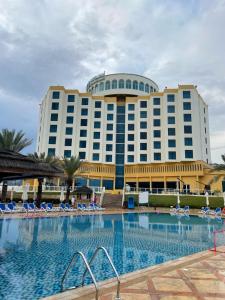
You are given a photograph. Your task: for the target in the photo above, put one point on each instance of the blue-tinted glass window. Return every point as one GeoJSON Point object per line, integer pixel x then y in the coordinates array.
{"type": "Point", "coordinates": [120, 138]}
{"type": "Point", "coordinates": [98, 104]}
{"type": "Point", "coordinates": [143, 146]}
{"type": "Point", "coordinates": [130, 117]}
{"type": "Point", "coordinates": [82, 155]}
{"type": "Point", "coordinates": [109, 147]}
{"type": "Point", "coordinates": [188, 142]}
{"type": "Point", "coordinates": [67, 153]}
{"type": "Point", "coordinates": [171, 143]}
{"type": "Point", "coordinates": [157, 122]}
{"type": "Point", "coordinates": [156, 111]}
{"type": "Point", "coordinates": [97, 114]}
{"type": "Point", "coordinates": [130, 137]}
{"type": "Point", "coordinates": [96, 146]}
{"type": "Point", "coordinates": [120, 128]}
{"type": "Point", "coordinates": [109, 127]}
{"type": "Point", "coordinates": [83, 133]}
{"type": "Point", "coordinates": [84, 101]}
{"type": "Point", "coordinates": [143, 157]}
{"type": "Point", "coordinates": [171, 131]}
{"type": "Point", "coordinates": [51, 151]}
{"type": "Point", "coordinates": [108, 158]}
{"type": "Point", "coordinates": [130, 127]}
{"type": "Point", "coordinates": [108, 184]}
{"type": "Point", "coordinates": [156, 101]}
{"type": "Point", "coordinates": [114, 84]}
{"type": "Point", "coordinates": [143, 124]}
{"type": "Point", "coordinates": [130, 148]}
{"type": "Point", "coordinates": [83, 144]}
{"type": "Point", "coordinates": [188, 153]}
{"type": "Point", "coordinates": [95, 156]}
{"type": "Point", "coordinates": [157, 145]}
{"type": "Point", "coordinates": [187, 129]}
{"type": "Point", "coordinates": [71, 98]}
{"type": "Point", "coordinates": [96, 135]}
{"type": "Point", "coordinates": [171, 120]}
{"type": "Point", "coordinates": [131, 106]}
{"type": "Point", "coordinates": [55, 105]}
{"type": "Point", "coordinates": [143, 104]}
{"type": "Point", "coordinates": [143, 135]}
{"type": "Point", "coordinates": [121, 84]}
{"type": "Point", "coordinates": [141, 86]}
{"type": "Point", "coordinates": [120, 118]}
{"type": "Point", "coordinates": [187, 105]}
{"type": "Point", "coordinates": [119, 159]}
{"type": "Point", "coordinates": [143, 114]}
{"type": "Point", "coordinates": [120, 109]}
{"type": "Point", "coordinates": [109, 117]}
{"type": "Point", "coordinates": [52, 140]}
{"type": "Point", "coordinates": [135, 85]}
{"type": "Point", "coordinates": [147, 88]}
{"type": "Point", "coordinates": [172, 155]}
{"type": "Point", "coordinates": [170, 98]}
{"type": "Point", "coordinates": [54, 117]}
{"type": "Point", "coordinates": [68, 142]}
{"type": "Point", "coordinates": [128, 84]}
{"type": "Point", "coordinates": [130, 158]}
{"type": "Point", "coordinates": [69, 130]}
{"type": "Point", "coordinates": [187, 117]}
{"type": "Point", "coordinates": [157, 156]}
{"type": "Point", "coordinates": [55, 95]}
{"type": "Point", "coordinates": [119, 148]}
{"type": "Point", "coordinates": [83, 122]}
{"type": "Point", "coordinates": [107, 85]}
{"type": "Point", "coordinates": [70, 108]}
{"type": "Point", "coordinates": [69, 120]}
{"type": "Point", "coordinates": [110, 106]}
{"type": "Point", "coordinates": [157, 133]}
{"type": "Point", "coordinates": [53, 128]}
{"type": "Point", "coordinates": [97, 124]}
{"type": "Point", "coordinates": [171, 109]}
{"type": "Point", "coordinates": [109, 137]}
{"type": "Point", "coordinates": [186, 94]}
{"type": "Point", "coordinates": [84, 112]}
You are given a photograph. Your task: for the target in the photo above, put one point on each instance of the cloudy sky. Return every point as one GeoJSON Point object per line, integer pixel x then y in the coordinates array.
{"type": "Point", "coordinates": [47, 42]}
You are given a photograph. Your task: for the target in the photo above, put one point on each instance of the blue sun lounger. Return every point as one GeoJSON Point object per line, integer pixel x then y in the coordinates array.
{"type": "Point", "coordinates": [4, 208]}
{"type": "Point", "coordinates": [130, 204]}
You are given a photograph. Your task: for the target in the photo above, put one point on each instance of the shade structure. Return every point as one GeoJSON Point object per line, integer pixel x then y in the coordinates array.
{"type": "Point", "coordinates": [207, 198]}
{"type": "Point", "coordinates": [178, 198]}
{"type": "Point", "coordinates": [62, 196]}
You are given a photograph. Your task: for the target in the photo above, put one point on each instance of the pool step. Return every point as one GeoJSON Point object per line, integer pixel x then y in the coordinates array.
{"type": "Point", "coordinates": [112, 201]}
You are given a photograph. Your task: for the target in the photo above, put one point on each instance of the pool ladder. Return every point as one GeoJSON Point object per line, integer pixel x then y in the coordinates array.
{"type": "Point", "coordinates": [88, 269]}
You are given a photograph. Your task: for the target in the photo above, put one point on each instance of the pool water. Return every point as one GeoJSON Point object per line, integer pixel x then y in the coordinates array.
{"type": "Point", "coordinates": [34, 252]}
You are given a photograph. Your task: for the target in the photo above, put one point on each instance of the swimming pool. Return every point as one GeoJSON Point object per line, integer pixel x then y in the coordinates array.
{"type": "Point", "coordinates": [34, 252]}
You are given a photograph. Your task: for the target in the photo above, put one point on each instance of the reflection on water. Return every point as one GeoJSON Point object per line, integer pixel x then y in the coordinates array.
{"type": "Point", "coordinates": [34, 252]}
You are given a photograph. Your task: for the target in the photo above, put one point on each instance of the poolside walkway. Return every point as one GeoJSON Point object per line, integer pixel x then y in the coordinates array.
{"type": "Point", "coordinates": [196, 277]}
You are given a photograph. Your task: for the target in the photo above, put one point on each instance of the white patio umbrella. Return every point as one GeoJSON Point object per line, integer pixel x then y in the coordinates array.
{"type": "Point", "coordinates": [11, 194]}
{"type": "Point", "coordinates": [224, 199]}
{"type": "Point", "coordinates": [178, 198]}
{"type": "Point", "coordinates": [25, 193]}
{"type": "Point", "coordinates": [207, 198]}
{"type": "Point", "coordinates": [62, 197]}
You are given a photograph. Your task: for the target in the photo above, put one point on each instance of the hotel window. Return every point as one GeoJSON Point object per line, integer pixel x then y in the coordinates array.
{"type": "Point", "coordinates": [51, 151]}
{"type": "Point", "coordinates": [55, 105]}
{"type": "Point", "coordinates": [83, 144]}
{"type": "Point", "coordinates": [52, 140]}
{"type": "Point", "coordinates": [69, 120]}
{"type": "Point", "coordinates": [130, 147]}
{"type": "Point", "coordinates": [141, 86]}
{"type": "Point", "coordinates": [130, 137]}
{"type": "Point", "coordinates": [109, 126]}
{"type": "Point", "coordinates": [157, 156]}
{"type": "Point", "coordinates": [110, 106]}
{"type": "Point", "coordinates": [67, 153]}
{"type": "Point", "coordinates": [120, 138]}
{"type": "Point", "coordinates": [69, 130]}
{"type": "Point", "coordinates": [157, 145]}
{"type": "Point", "coordinates": [54, 117]}
{"type": "Point", "coordinates": [107, 85]}
{"type": "Point", "coordinates": [156, 111]}
{"type": "Point", "coordinates": [120, 128]}
{"type": "Point", "coordinates": [96, 135]}
{"type": "Point", "coordinates": [83, 133]}
{"type": "Point", "coordinates": [114, 84]}
{"type": "Point", "coordinates": [188, 153]}
{"type": "Point", "coordinates": [131, 107]}
{"type": "Point", "coordinates": [188, 142]}
{"type": "Point", "coordinates": [84, 112]}
{"type": "Point", "coordinates": [143, 124]}
{"type": "Point", "coordinates": [70, 108]}
{"type": "Point", "coordinates": [187, 117]}
{"type": "Point", "coordinates": [143, 104]}
{"type": "Point", "coordinates": [109, 147]}
{"type": "Point", "coordinates": [156, 101]}
{"type": "Point", "coordinates": [98, 104]}
{"type": "Point", "coordinates": [101, 86]}
{"type": "Point", "coordinates": [128, 84]}
{"type": "Point", "coordinates": [130, 158]}
{"type": "Point", "coordinates": [171, 109]}
{"type": "Point", "coordinates": [143, 146]}
{"type": "Point", "coordinates": [171, 131]}
{"type": "Point", "coordinates": [71, 98]}
{"type": "Point", "coordinates": [130, 127]}
{"type": "Point", "coordinates": [96, 146]}
{"type": "Point", "coordinates": [108, 158]}
{"type": "Point", "coordinates": [171, 120]}
{"type": "Point", "coordinates": [147, 88]}
{"type": "Point", "coordinates": [170, 98]}
{"type": "Point", "coordinates": [143, 114]}
{"type": "Point", "coordinates": [187, 129]}
{"type": "Point", "coordinates": [84, 101]}
{"type": "Point", "coordinates": [172, 155]}
{"type": "Point", "coordinates": [55, 95]}
{"type": "Point", "coordinates": [135, 85]}
{"type": "Point", "coordinates": [131, 117]}
{"type": "Point", "coordinates": [82, 155]}
{"type": "Point", "coordinates": [109, 117]}
{"type": "Point", "coordinates": [68, 142]}
{"type": "Point", "coordinates": [187, 105]}
{"type": "Point", "coordinates": [95, 156]}
{"type": "Point", "coordinates": [109, 137]}
{"type": "Point", "coordinates": [171, 143]}
{"type": "Point", "coordinates": [97, 114]}
{"type": "Point", "coordinates": [156, 122]}
{"type": "Point", "coordinates": [53, 128]}
{"type": "Point", "coordinates": [97, 124]}
{"type": "Point", "coordinates": [186, 94]}
{"type": "Point", "coordinates": [143, 135]}
{"type": "Point", "coordinates": [121, 84]}
{"type": "Point", "coordinates": [157, 133]}
{"type": "Point", "coordinates": [143, 157]}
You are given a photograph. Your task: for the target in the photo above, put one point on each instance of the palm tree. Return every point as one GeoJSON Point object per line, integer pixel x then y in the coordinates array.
{"type": "Point", "coordinates": [13, 141]}
{"type": "Point", "coordinates": [70, 166]}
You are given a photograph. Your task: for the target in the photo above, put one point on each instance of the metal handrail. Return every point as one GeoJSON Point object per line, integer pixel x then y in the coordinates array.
{"type": "Point", "coordinates": [87, 269]}
{"type": "Point", "coordinates": [112, 265]}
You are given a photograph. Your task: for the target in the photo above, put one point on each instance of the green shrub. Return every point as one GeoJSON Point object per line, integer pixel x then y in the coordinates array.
{"type": "Point", "coordinates": [162, 200]}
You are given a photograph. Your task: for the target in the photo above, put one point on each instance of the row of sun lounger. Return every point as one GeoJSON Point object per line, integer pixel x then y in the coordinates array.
{"type": "Point", "coordinates": [204, 210]}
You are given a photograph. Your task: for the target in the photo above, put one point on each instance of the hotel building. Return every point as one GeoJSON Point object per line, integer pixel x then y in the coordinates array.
{"type": "Point", "coordinates": [126, 131]}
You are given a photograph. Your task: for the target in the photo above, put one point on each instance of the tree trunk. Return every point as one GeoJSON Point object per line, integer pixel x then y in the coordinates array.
{"type": "Point", "coordinates": [4, 191]}
{"type": "Point", "coordinates": [69, 185]}
{"type": "Point", "coordinates": [39, 192]}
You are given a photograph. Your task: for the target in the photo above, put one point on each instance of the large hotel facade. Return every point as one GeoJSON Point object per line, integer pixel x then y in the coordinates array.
{"type": "Point", "coordinates": [126, 131]}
